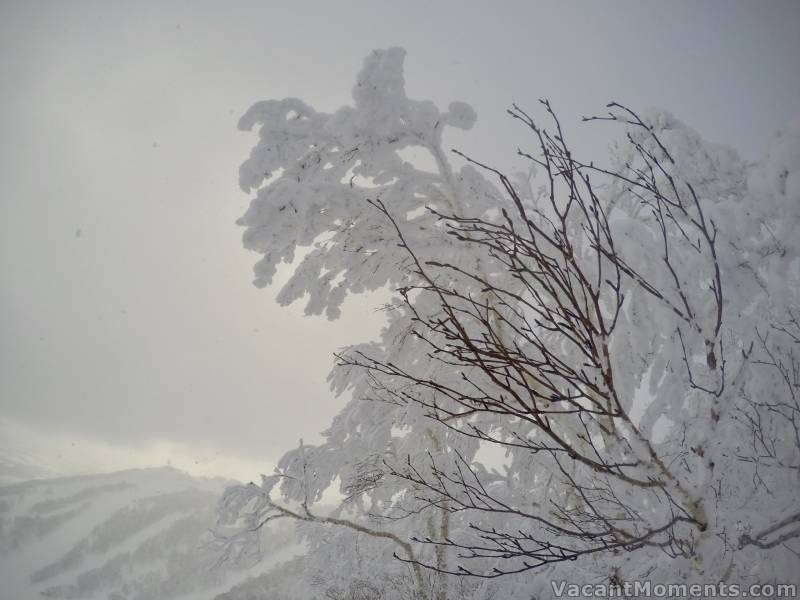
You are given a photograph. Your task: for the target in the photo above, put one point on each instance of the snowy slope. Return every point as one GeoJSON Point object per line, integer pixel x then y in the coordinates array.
{"type": "Point", "coordinates": [19, 466]}
{"type": "Point", "coordinates": [132, 535]}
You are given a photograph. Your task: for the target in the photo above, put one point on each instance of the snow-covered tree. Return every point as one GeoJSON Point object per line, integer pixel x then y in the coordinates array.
{"type": "Point", "coordinates": [635, 355]}
{"type": "Point", "coordinates": [315, 176]}
{"type": "Point", "coordinates": [626, 333]}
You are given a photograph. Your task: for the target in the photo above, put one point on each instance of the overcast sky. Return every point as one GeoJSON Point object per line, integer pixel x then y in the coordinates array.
{"type": "Point", "coordinates": [130, 333]}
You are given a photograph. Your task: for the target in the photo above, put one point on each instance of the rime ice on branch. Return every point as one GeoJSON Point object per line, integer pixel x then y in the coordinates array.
{"type": "Point", "coordinates": [626, 332]}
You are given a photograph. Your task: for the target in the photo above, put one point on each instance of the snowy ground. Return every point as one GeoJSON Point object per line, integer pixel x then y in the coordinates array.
{"type": "Point", "coordinates": [139, 534]}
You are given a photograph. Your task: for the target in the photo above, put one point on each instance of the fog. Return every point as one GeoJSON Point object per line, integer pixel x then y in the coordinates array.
{"type": "Point", "coordinates": [130, 332]}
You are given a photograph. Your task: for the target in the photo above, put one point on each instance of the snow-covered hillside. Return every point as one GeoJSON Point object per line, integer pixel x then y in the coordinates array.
{"type": "Point", "coordinates": [16, 467]}
{"type": "Point", "coordinates": [132, 535]}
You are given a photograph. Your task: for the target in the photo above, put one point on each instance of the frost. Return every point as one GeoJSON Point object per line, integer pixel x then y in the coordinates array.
{"type": "Point", "coordinates": [701, 389]}
{"type": "Point", "coordinates": [460, 115]}
{"type": "Point", "coordinates": [314, 173]}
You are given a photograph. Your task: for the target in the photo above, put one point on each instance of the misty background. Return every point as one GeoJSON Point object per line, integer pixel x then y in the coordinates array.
{"type": "Point", "coordinates": [130, 332]}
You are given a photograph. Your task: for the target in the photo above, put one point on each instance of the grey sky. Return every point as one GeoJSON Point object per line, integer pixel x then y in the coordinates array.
{"type": "Point", "coordinates": [127, 318]}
